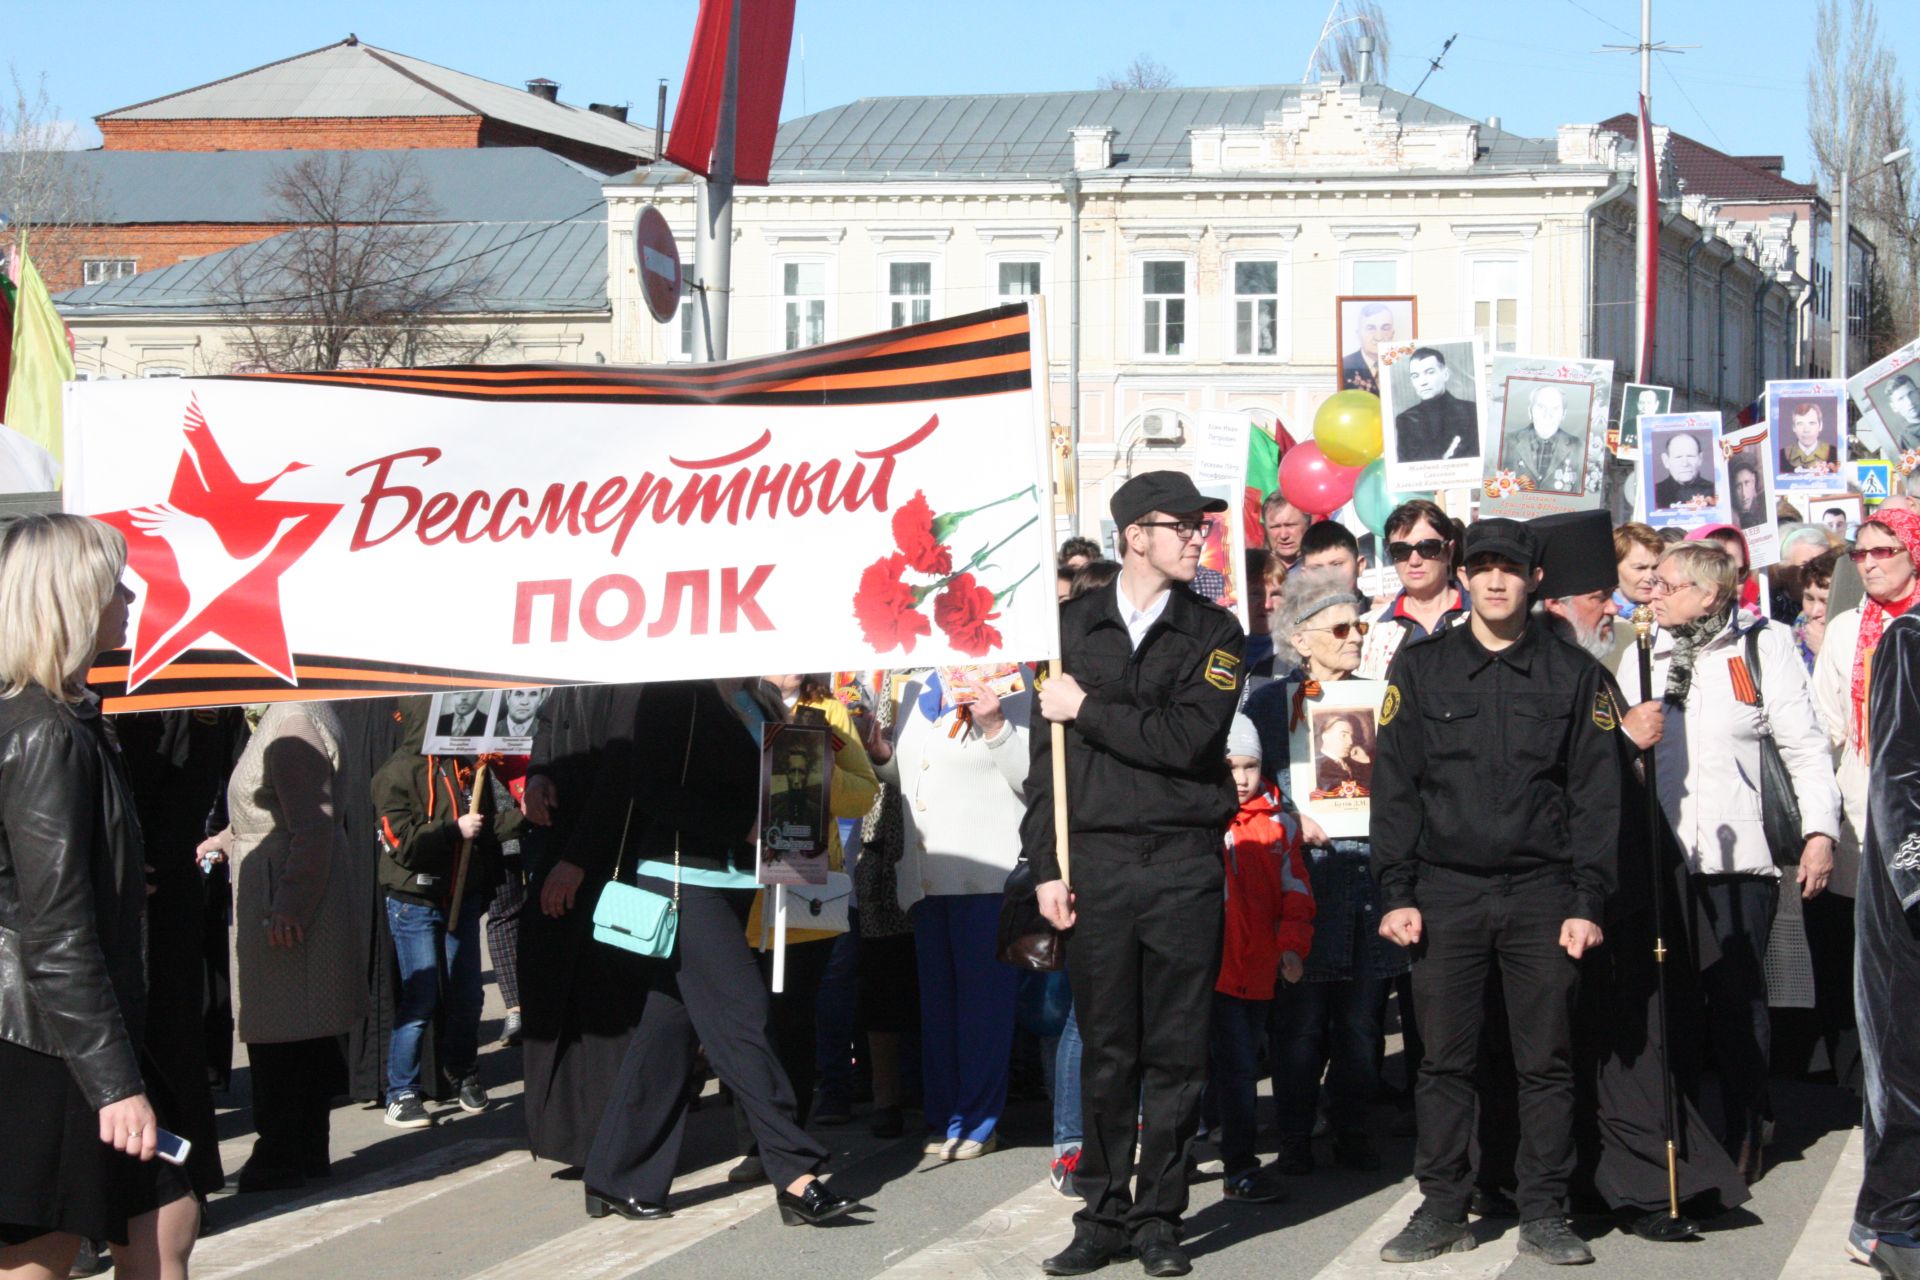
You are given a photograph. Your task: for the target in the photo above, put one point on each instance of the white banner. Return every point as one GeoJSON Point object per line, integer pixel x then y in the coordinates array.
{"type": "Point", "coordinates": [875, 503]}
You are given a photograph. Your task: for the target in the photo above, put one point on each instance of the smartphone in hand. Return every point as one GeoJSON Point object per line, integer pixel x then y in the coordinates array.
{"type": "Point", "coordinates": [171, 1147]}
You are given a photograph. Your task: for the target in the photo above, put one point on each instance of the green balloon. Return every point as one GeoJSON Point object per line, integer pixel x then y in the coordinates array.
{"type": "Point", "coordinates": [1371, 501]}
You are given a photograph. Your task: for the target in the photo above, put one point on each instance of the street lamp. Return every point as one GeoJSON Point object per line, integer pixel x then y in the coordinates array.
{"type": "Point", "coordinates": [1842, 247]}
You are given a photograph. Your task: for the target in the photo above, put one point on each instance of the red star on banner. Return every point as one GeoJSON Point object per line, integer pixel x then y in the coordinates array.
{"type": "Point", "coordinates": [211, 557]}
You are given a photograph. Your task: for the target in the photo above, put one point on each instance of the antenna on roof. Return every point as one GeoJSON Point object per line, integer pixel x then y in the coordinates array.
{"type": "Point", "coordinates": [1433, 64]}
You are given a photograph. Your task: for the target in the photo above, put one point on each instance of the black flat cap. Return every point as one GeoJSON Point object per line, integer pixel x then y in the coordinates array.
{"type": "Point", "coordinates": [1509, 539]}
{"type": "Point", "coordinates": [1576, 551]}
{"type": "Point", "coordinates": [1168, 491]}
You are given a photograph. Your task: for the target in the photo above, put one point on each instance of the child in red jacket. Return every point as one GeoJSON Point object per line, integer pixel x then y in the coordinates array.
{"type": "Point", "coordinates": [1269, 930]}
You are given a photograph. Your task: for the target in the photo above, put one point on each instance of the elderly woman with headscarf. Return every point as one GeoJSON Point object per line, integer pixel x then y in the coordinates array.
{"type": "Point", "coordinates": [1329, 1022]}
{"type": "Point", "coordinates": [1708, 769]}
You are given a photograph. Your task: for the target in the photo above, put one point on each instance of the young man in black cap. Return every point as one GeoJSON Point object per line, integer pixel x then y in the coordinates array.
{"type": "Point", "coordinates": [1496, 796]}
{"type": "Point", "coordinates": [1151, 676]}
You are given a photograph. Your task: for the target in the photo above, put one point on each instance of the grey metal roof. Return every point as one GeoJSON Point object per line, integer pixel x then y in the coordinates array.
{"type": "Point", "coordinates": [515, 269]}
{"type": "Point", "coordinates": [354, 79]}
{"type": "Point", "coordinates": [474, 184]}
{"type": "Point", "coordinates": [1020, 135]}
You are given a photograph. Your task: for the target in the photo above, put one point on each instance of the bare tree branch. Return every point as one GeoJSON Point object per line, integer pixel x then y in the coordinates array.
{"type": "Point", "coordinates": [42, 195]}
{"type": "Point", "coordinates": [364, 280]}
{"type": "Point", "coordinates": [1144, 72]}
{"type": "Point", "coordinates": [1339, 49]}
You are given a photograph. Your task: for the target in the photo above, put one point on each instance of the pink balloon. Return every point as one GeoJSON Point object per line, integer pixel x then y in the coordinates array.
{"type": "Point", "coordinates": [1314, 482]}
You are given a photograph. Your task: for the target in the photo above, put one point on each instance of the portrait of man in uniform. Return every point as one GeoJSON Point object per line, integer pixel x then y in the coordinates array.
{"type": "Point", "coordinates": [1898, 399]}
{"type": "Point", "coordinates": [1366, 325]}
{"type": "Point", "coordinates": [1546, 434]}
{"type": "Point", "coordinates": [793, 824]}
{"type": "Point", "coordinates": [1748, 492]}
{"type": "Point", "coordinates": [1343, 754]}
{"type": "Point", "coordinates": [1808, 448]}
{"type": "Point", "coordinates": [1639, 402]}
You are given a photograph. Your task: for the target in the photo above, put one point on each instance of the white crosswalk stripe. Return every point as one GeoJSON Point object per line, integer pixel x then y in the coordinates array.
{"type": "Point", "coordinates": [1361, 1259]}
{"type": "Point", "coordinates": [615, 1247]}
{"type": "Point", "coordinates": [1820, 1254]}
{"type": "Point", "coordinates": [1008, 1240]}
{"type": "Point", "coordinates": [369, 1200]}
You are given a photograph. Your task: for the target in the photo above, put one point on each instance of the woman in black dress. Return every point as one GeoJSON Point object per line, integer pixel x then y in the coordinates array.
{"type": "Point", "coordinates": [78, 1128]}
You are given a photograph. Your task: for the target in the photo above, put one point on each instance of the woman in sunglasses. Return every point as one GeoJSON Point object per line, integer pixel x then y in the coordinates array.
{"type": "Point", "coordinates": [1335, 1011]}
{"type": "Point", "coordinates": [1424, 551]}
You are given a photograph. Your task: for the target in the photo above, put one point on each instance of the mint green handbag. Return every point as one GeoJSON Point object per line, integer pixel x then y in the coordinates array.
{"type": "Point", "coordinates": [635, 919]}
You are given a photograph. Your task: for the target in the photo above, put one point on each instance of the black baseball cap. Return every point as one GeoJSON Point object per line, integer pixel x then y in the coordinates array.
{"type": "Point", "coordinates": [1508, 539]}
{"type": "Point", "coordinates": [1151, 491]}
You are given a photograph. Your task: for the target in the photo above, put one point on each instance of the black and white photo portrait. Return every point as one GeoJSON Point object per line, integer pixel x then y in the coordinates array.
{"type": "Point", "coordinates": [1545, 433]}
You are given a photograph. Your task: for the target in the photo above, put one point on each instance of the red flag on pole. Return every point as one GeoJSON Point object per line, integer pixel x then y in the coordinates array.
{"type": "Point", "coordinates": [1650, 248]}
{"type": "Point", "coordinates": [766, 37]}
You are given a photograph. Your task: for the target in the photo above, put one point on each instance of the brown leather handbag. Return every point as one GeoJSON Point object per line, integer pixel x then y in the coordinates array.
{"type": "Point", "coordinates": [1027, 941]}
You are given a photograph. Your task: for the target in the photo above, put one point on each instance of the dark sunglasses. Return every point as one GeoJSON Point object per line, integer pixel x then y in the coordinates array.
{"type": "Point", "coordinates": [1429, 549]}
{"type": "Point", "coordinates": [1341, 630]}
{"type": "Point", "coordinates": [1859, 555]}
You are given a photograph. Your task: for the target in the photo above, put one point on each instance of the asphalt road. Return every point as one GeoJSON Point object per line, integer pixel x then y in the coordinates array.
{"type": "Point", "coordinates": [463, 1201]}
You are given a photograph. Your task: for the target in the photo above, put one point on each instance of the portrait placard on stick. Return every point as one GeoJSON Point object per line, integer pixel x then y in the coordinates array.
{"type": "Point", "coordinates": [796, 779]}
{"type": "Point", "coordinates": [1809, 453]}
{"type": "Point", "coordinates": [1364, 326]}
{"type": "Point", "coordinates": [1682, 474]}
{"type": "Point", "coordinates": [1636, 402]}
{"type": "Point", "coordinates": [1888, 394]}
{"type": "Point", "coordinates": [1546, 425]}
{"type": "Point", "coordinates": [1431, 408]}
{"type": "Point", "coordinates": [1750, 491]}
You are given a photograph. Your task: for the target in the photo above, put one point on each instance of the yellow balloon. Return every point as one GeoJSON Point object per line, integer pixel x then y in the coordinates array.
{"type": "Point", "coordinates": [1347, 428]}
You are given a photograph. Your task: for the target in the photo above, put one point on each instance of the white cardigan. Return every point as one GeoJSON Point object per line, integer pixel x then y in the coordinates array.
{"type": "Point", "coordinates": [1833, 700]}
{"type": "Point", "coordinates": [1709, 760]}
{"type": "Point", "coordinates": [963, 796]}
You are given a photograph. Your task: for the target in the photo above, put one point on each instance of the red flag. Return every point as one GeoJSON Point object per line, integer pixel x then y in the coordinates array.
{"type": "Point", "coordinates": [1650, 204]}
{"type": "Point", "coordinates": [766, 38]}
{"type": "Point", "coordinates": [6, 340]}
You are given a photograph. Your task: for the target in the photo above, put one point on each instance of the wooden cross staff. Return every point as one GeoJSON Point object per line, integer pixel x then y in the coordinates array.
{"type": "Point", "coordinates": [466, 846]}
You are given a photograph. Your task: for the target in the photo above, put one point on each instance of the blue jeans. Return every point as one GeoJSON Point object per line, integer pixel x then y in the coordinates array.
{"type": "Point", "coordinates": [1237, 1028]}
{"type": "Point", "coordinates": [836, 1016]}
{"type": "Point", "coordinates": [435, 966]}
{"type": "Point", "coordinates": [1332, 1027]}
{"type": "Point", "coordinates": [967, 1002]}
{"type": "Point", "coordinates": [1063, 1068]}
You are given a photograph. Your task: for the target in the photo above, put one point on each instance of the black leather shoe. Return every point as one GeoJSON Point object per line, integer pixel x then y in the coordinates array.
{"type": "Point", "coordinates": [599, 1205]}
{"type": "Point", "coordinates": [1162, 1258]}
{"type": "Point", "coordinates": [1083, 1257]}
{"type": "Point", "coordinates": [1662, 1228]}
{"type": "Point", "coordinates": [815, 1205]}
{"type": "Point", "coordinates": [255, 1177]}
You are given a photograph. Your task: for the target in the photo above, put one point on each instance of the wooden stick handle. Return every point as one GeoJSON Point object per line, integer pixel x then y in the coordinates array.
{"type": "Point", "coordinates": [1059, 732]}
{"type": "Point", "coordinates": [466, 848]}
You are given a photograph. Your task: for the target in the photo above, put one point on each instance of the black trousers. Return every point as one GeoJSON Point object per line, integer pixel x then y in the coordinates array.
{"type": "Point", "coordinates": [1469, 925]}
{"type": "Point", "coordinates": [791, 1022]}
{"type": "Point", "coordinates": [711, 994]}
{"type": "Point", "coordinates": [1739, 910]}
{"type": "Point", "coordinates": [294, 1084]}
{"type": "Point", "coordinates": [1142, 961]}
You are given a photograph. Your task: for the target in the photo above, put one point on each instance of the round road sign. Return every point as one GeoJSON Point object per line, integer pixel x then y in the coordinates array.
{"type": "Point", "coordinates": [659, 260]}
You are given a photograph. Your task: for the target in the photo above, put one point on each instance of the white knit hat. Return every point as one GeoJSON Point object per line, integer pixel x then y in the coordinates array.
{"type": "Point", "coordinates": [1243, 739]}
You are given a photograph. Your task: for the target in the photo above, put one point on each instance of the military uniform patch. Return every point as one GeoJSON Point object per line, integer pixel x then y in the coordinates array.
{"type": "Point", "coordinates": [1222, 670]}
{"type": "Point", "coordinates": [1390, 705]}
{"type": "Point", "coordinates": [1604, 718]}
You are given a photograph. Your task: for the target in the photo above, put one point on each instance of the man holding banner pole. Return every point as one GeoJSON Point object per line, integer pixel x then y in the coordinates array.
{"type": "Point", "coordinates": [1151, 678]}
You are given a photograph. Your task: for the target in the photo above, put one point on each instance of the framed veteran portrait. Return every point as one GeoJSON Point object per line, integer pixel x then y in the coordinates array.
{"type": "Point", "coordinates": [1363, 325]}
{"type": "Point", "coordinates": [1430, 415]}
{"type": "Point", "coordinates": [1332, 753]}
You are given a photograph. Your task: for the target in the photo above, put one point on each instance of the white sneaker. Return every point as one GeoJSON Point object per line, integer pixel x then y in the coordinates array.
{"type": "Point", "coordinates": [971, 1150]}
{"type": "Point", "coordinates": [940, 1148]}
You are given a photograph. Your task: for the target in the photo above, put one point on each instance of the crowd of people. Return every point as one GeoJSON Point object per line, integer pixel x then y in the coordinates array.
{"type": "Point", "coordinates": [1603, 765]}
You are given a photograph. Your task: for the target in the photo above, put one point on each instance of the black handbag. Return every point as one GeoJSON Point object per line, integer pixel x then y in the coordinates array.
{"type": "Point", "coordinates": [1779, 806]}
{"type": "Point", "coordinates": [1027, 941]}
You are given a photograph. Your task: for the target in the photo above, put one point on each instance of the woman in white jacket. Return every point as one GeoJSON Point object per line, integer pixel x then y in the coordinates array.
{"type": "Point", "coordinates": [1709, 778]}
{"type": "Point", "coordinates": [960, 761]}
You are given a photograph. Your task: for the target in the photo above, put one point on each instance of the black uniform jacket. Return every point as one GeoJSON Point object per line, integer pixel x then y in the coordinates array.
{"type": "Point", "coordinates": [1497, 764]}
{"type": "Point", "coordinates": [1146, 757]}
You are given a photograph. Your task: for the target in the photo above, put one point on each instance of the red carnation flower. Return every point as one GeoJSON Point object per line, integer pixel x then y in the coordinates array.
{"type": "Point", "coordinates": [884, 606]}
{"type": "Point", "coordinates": [963, 611]}
{"type": "Point", "coordinates": [913, 532]}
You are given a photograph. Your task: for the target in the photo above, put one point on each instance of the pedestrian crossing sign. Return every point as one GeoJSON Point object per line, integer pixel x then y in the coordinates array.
{"type": "Point", "coordinates": [1874, 479]}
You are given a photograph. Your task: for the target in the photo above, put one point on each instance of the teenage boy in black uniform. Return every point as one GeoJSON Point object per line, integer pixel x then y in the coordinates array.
{"type": "Point", "coordinates": [1496, 807]}
{"type": "Point", "coordinates": [1151, 675]}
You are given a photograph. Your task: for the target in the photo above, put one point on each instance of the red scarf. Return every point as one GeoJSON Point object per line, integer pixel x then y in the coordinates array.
{"type": "Point", "coordinates": [1905, 526]}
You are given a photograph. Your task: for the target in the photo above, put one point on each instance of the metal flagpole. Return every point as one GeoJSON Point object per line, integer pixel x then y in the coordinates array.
{"type": "Point", "coordinates": [1646, 229]}
{"type": "Point", "coordinates": [713, 233]}
{"type": "Point", "coordinates": [1643, 630]}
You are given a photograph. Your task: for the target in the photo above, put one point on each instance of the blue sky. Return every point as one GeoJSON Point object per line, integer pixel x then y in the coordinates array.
{"type": "Point", "coordinates": [1531, 62]}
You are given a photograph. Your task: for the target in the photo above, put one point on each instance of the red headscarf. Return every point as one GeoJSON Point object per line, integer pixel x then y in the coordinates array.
{"type": "Point", "coordinates": [1905, 526]}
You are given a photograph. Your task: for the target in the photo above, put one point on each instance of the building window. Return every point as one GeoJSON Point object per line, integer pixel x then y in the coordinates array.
{"type": "Point", "coordinates": [1019, 280]}
{"type": "Point", "coordinates": [803, 290]}
{"type": "Point", "coordinates": [909, 293]}
{"type": "Point", "coordinates": [163, 371]}
{"type": "Point", "coordinates": [1163, 293]}
{"type": "Point", "coordinates": [1494, 286]}
{"type": "Point", "coordinates": [102, 270]}
{"type": "Point", "coordinates": [1373, 275]}
{"type": "Point", "coordinates": [1256, 308]}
